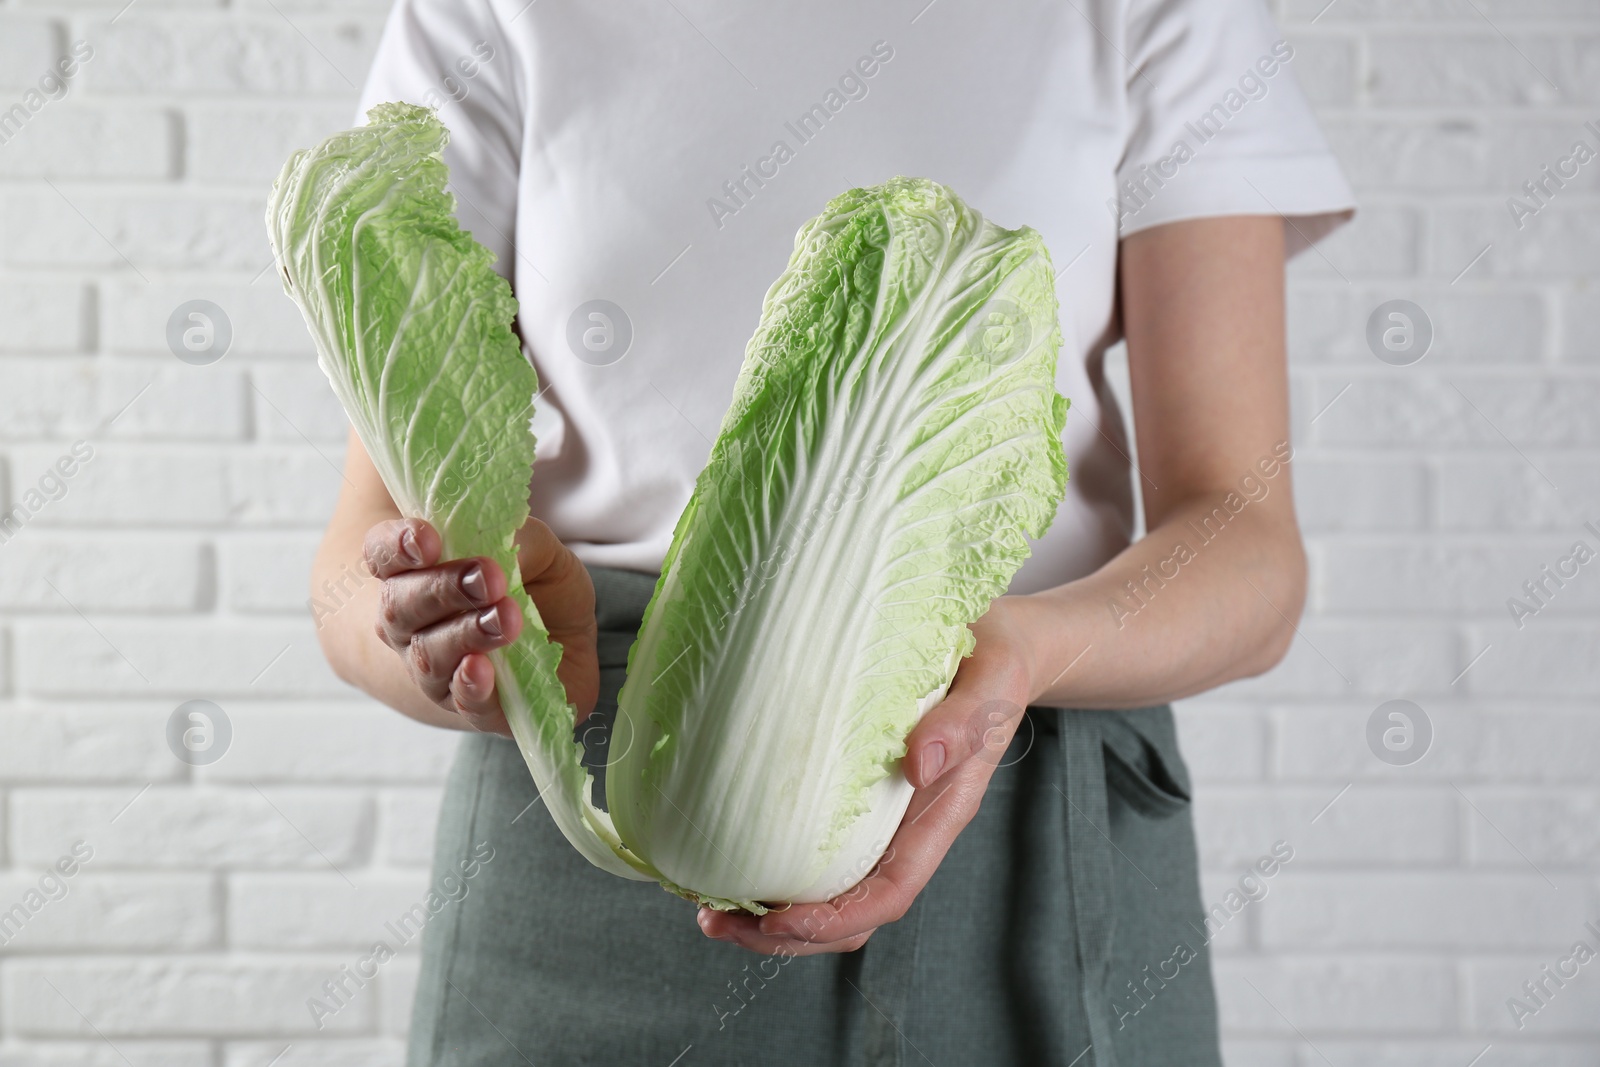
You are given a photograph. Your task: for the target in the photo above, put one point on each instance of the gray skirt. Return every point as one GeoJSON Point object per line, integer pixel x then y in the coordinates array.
{"type": "Point", "coordinates": [1064, 927]}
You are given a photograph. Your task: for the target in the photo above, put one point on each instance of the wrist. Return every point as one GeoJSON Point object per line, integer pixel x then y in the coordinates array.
{"type": "Point", "coordinates": [1017, 622]}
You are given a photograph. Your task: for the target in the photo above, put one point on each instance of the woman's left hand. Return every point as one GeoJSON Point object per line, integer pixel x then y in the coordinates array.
{"type": "Point", "coordinates": [950, 757]}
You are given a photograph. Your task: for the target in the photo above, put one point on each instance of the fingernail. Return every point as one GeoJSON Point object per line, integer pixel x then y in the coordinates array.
{"type": "Point", "coordinates": [473, 585]}
{"type": "Point", "coordinates": [489, 621]}
{"type": "Point", "coordinates": [408, 547]}
{"type": "Point", "coordinates": [932, 762]}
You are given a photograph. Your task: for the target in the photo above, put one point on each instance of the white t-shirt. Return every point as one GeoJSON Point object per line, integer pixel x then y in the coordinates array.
{"type": "Point", "coordinates": [660, 157]}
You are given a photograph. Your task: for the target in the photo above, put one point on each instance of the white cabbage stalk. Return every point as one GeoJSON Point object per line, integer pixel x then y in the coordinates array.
{"type": "Point", "coordinates": [893, 444]}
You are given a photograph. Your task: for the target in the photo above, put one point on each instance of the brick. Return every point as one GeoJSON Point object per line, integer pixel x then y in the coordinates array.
{"type": "Point", "coordinates": [179, 486]}
{"type": "Point", "coordinates": [295, 403]}
{"type": "Point", "coordinates": [1360, 496]}
{"type": "Point", "coordinates": [182, 402]}
{"type": "Point", "coordinates": [1398, 578]}
{"type": "Point", "coordinates": [1401, 407]}
{"type": "Point", "coordinates": [74, 226]}
{"type": "Point", "coordinates": [1474, 327]}
{"type": "Point", "coordinates": [1432, 155]}
{"type": "Point", "coordinates": [49, 398]}
{"type": "Point", "coordinates": [7, 681]}
{"type": "Point", "coordinates": [1343, 660]}
{"type": "Point", "coordinates": [29, 46]}
{"type": "Point", "coordinates": [1222, 745]}
{"type": "Point", "coordinates": [1572, 1009]}
{"type": "Point", "coordinates": [264, 322]}
{"type": "Point", "coordinates": [1550, 830]}
{"type": "Point", "coordinates": [103, 402]}
{"type": "Point", "coordinates": [1375, 994]}
{"type": "Point", "coordinates": [1558, 242]}
{"type": "Point", "coordinates": [96, 1053]}
{"type": "Point", "coordinates": [175, 827]}
{"type": "Point", "coordinates": [1508, 494]}
{"type": "Point", "coordinates": [1552, 659]}
{"type": "Point", "coordinates": [1469, 326]}
{"type": "Point", "coordinates": [214, 658]}
{"type": "Point", "coordinates": [406, 822]}
{"type": "Point", "coordinates": [1371, 910]}
{"type": "Point", "coordinates": [248, 143]}
{"type": "Point", "coordinates": [1445, 1053]}
{"type": "Point", "coordinates": [1330, 745]}
{"type": "Point", "coordinates": [171, 996]}
{"type": "Point", "coordinates": [1523, 151]}
{"type": "Point", "coordinates": [270, 572]}
{"type": "Point", "coordinates": [241, 55]}
{"type": "Point", "coordinates": [1325, 67]}
{"type": "Point", "coordinates": [75, 140]}
{"type": "Point", "coordinates": [1367, 825]}
{"type": "Point", "coordinates": [333, 743]}
{"type": "Point", "coordinates": [353, 1052]}
{"type": "Point", "coordinates": [322, 911]}
{"type": "Point", "coordinates": [286, 486]}
{"type": "Point", "coordinates": [1302, 405]}
{"type": "Point", "coordinates": [1382, 241]}
{"type": "Point", "coordinates": [122, 573]}
{"type": "Point", "coordinates": [397, 990]}
{"type": "Point", "coordinates": [69, 399]}
{"type": "Point", "coordinates": [114, 912]}
{"type": "Point", "coordinates": [1478, 67]}
{"type": "Point", "coordinates": [143, 485]}
{"type": "Point", "coordinates": [1242, 1053]}
{"type": "Point", "coordinates": [1536, 746]}
{"type": "Point", "coordinates": [64, 744]}
{"type": "Point", "coordinates": [1501, 746]}
{"type": "Point", "coordinates": [1225, 929]}
{"type": "Point", "coordinates": [1534, 9]}
{"type": "Point", "coordinates": [1580, 326]}
{"type": "Point", "coordinates": [43, 317]}
{"type": "Point", "coordinates": [1520, 745]}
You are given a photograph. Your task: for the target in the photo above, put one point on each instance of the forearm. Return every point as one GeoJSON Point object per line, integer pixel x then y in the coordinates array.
{"type": "Point", "coordinates": [347, 619]}
{"type": "Point", "coordinates": [1197, 602]}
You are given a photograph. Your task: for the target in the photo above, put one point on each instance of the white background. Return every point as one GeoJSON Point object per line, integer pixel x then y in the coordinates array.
{"type": "Point", "coordinates": [218, 899]}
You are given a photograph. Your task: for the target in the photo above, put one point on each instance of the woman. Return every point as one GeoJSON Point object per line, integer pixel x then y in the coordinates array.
{"type": "Point", "coordinates": [640, 170]}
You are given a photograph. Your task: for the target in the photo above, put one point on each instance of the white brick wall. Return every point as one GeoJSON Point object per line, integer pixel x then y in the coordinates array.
{"type": "Point", "coordinates": [219, 898]}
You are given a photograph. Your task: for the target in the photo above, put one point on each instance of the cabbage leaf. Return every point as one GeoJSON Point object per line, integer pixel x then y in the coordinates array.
{"type": "Point", "coordinates": [413, 329]}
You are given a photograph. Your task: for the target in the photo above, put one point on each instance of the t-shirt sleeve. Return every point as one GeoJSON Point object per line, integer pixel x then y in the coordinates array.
{"type": "Point", "coordinates": [452, 55]}
{"type": "Point", "coordinates": [1218, 125]}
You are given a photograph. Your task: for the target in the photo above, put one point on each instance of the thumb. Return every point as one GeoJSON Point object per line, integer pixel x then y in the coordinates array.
{"type": "Point", "coordinates": [965, 725]}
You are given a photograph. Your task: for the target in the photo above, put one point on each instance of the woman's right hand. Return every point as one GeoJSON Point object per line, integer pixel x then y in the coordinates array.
{"type": "Point", "coordinates": [443, 617]}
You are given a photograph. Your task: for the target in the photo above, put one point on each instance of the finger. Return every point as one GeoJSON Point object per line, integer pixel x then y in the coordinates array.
{"type": "Point", "coordinates": [473, 694]}
{"type": "Point", "coordinates": [932, 822]}
{"type": "Point", "coordinates": [413, 601]}
{"type": "Point", "coordinates": [400, 545]}
{"type": "Point", "coordinates": [557, 581]}
{"type": "Point", "coordinates": [745, 931]}
{"type": "Point", "coordinates": [435, 654]}
{"type": "Point", "coordinates": [548, 566]}
{"type": "Point", "coordinates": [963, 726]}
